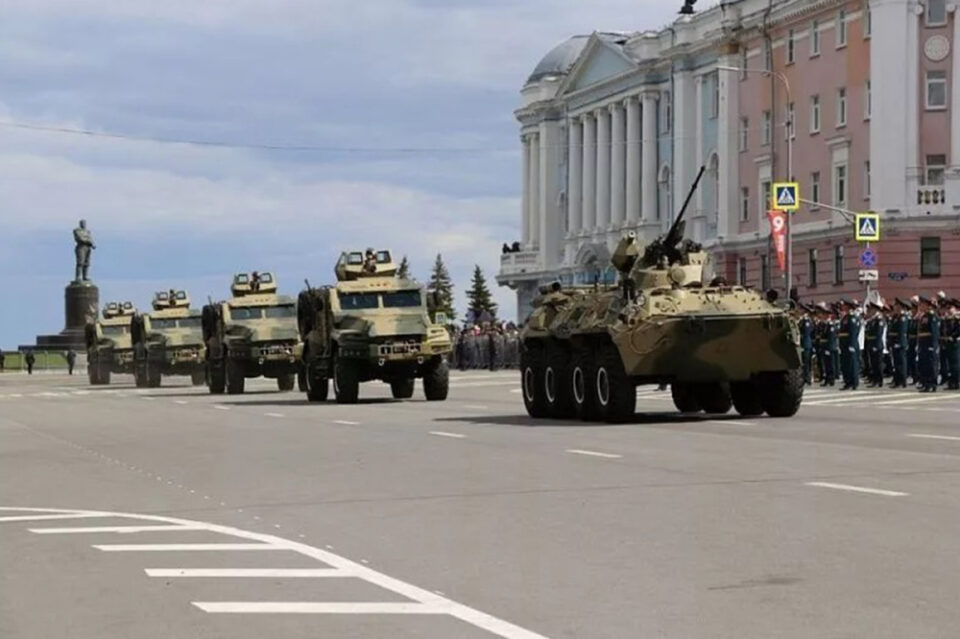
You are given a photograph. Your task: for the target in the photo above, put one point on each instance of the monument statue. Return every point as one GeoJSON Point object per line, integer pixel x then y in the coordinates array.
{"type": "Point", "coordinates": [84, 240]}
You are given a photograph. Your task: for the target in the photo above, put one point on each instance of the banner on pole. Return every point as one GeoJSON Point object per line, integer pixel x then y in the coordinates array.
{"type": "Point", "coordinates": [778, 230]}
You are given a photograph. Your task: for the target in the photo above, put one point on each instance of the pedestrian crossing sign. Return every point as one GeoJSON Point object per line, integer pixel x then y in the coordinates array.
{"type": "Point", "coordinates": [868, 227]}
{"type": "Point", "coordinates": [786, 196]}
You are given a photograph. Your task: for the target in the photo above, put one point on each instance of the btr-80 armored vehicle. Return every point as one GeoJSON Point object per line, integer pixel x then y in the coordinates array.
{"type": "Point", "coordinates": [109, 347]}
{"type": "Point", "coordinates": [371, 325]}
{"type": "Point", "coordinates": [252, 334]}
{"type": "Point", "coordinates": [585, 349]}
{"type": "Point", "coordinates": [168, 341]}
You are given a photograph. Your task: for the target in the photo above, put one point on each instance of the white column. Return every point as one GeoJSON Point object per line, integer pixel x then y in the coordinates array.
{"type": "Point", "coordinates": [548, 218]}
{"type": "Point", "coordinates": [649, 167]}
{"type": "Point", "coordinates": [534, 228]}
{"type": "Point", "coordinates": [603, 168]}
{"type": "Point", "coordinates": [525, 202]}
{"type": "Point", "coordinates": [954, 98]}
{"type": "Point", "coordinates": [697, 226]}
{"type": "Point", "coordinates": [684, 134]}
{"type": "Point", "coordinates": [574, 175]}
{"type": "Point", "coordinates": [618, 149]}
{"type": "Point", "coordinates": [728, 126]}
{"type": "Point", "coordinates": [589, 208]}
{"type": "Point", "coordinates": [633, 160]}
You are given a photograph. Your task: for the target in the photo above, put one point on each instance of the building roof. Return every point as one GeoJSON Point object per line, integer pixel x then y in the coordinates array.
{"type": "Point", "coordinates": [561, 58]}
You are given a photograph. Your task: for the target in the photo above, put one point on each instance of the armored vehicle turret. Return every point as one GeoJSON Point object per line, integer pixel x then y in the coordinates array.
{"type": "Point", "coordinates": [585, 349]}
{"type": "Point", "coordinates": [109, 346]}
{"type": "Point", "coordinates": [168, 340]}
{"type": "Point", "coordinates": [371, 325]}
{"type": "Point", "coordinates": [252, 334]}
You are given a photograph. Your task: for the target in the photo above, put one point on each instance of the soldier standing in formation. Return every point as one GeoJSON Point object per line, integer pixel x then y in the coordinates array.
{"type": "Point", "coordinates": [875, 343]}
{"type": "Point", "coordinates": [912, 330]}
{"type": "Point", "coordinates": [949, 345]}
{"type": "Point", "coordinates": [850, 326]}
{"type": "Point", "coordinates": [806, 343]}
{"type": "Point", "coordinates": [898, 341]}
{"type": "Point", "coordinates": [928, 345]}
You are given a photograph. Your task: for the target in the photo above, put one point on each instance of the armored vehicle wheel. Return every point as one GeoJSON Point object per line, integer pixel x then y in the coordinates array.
{"type": "Point", "coordinates": [235, 378]}
{"type": "Point", "coordinates": [93, 372]}
{"type": "Point", "coordinates": [216, 378]}
{"type": "Point", "coordinates": [746, 398]}
{"type": "Point", "coordinates": [685, 397]}
{"type": "Point", "coordinates": [198, 378]}
{"type": "Point", "coordinates": [781, 393]}
{"type": "Point", "coordinates": [557, 383]}
{"type": "Point", "coordinates": [616, 393]}
{"type": "Point", "coordinates": [532, 381]}
{"type": "Point", "coordinates": [714, 397]}
{"type": "Point", "coordinates": [302, 381]}
{"type": "Point", "coordinates": [318, 387]}
{"type": "Point", "coordinates": [104, 375]}
{"type": "Point", "coordinates": [285, 383]}
{"type": "Point", "coordinates": [154, 375]}
{"type": "Point", "coordinates": [583, 390]}
{"type": "Point", "coordinates": [402, 388]}
{"type": "Point", "coordinates": [436, 381]}
{"type": "Point", "coordinates": [346, 381]}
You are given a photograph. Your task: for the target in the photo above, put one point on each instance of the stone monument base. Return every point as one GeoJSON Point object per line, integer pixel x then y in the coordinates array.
{"type": "Point", "coordinates": [81, 303]}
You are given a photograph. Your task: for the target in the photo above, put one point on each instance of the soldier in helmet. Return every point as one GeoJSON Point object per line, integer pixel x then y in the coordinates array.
{"type": "Point", "coordinates": [850, 325]}
{"type": "Point", "coordinates": [30, 359]}
{"type": "Point", "coordinates": [370, 261]}
{"type": "Point", "coordinates": [254, 283]}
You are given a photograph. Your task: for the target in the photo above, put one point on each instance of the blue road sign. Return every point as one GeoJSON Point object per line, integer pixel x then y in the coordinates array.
{"type": "Point", "coordinates": [868, 258]}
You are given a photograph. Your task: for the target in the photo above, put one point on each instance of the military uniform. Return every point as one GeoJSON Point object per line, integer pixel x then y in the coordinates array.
{"type": "Point", "coordinates": [849, 336]}
{"type": "Point", "coordinates": [913, 327]}
{"type": "Point", "coordinates": [928, 350]}
{"type": "Point", "coordinates": [875, 332]}
{"type": "Point", "coordinates": [831, 333]}
{"type": "Point", "coordinates": [806, 344]}
{"type": "Point", "coordinates": [898, 344]}
{"type": "Point", "coordinates": [947, 346]}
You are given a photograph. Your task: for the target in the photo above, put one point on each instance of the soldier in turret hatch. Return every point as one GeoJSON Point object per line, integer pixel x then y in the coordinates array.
{"type": "Point", "coordinates": [254, 282]}
{"type": "Point", "coordinates": [370, 261]}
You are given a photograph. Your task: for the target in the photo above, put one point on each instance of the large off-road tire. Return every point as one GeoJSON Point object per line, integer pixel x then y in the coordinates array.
{"type": "Point", "coordinates": [402, 388]}
{"type": "Point", "coordinates": [235, 377]}
{"type": "Point", "coordinates": [531, 377]}
{"type": "Point", "coordinates": [685, 397]}
{"type": "Point", "coordinates": [781, 392]}
{"type": "Point", "coordinates": [198, 378]}
{"type": "Point", "coordinates": [746, 398]}
{"type": "Point", "coordinates": [582, 386]}
{"type": "Point", "coordinates": [557, 383]}
{"type": "Point", "coordinates": [714, 397]}
{"type": "Point", "coordinates": [302, 380]}
{"type": "Point", "coordinates": [346, 381]}
{"type": "Point", "coordinates": [216, 377]}
{"type": "Point", "coordinates": [93, 371]}
{"type": "Point", "coordinates": [104, 375]}
{"type": "Point", "coordinates": [139, 374]}
{"type": "Point", "coordinates": [285, 383]}
{"type": "Point", "coordinates": [616, 392]}
{"type": "Point", "coordinates": [436, 381]}
{"type": "Point", "coordinates": [154, 374]}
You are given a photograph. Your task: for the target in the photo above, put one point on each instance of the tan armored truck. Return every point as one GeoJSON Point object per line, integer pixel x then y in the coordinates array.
{"type": "Point", "coordinates": [109, 346]}
{"type": "Point", "coordinates": [586, 349]}
{"type": "Point", "coordinates": [253, 334]}
{"type": "Point", "coordinates": [371, 325]}
{"type": "Point", "coordinates": [168, 340]}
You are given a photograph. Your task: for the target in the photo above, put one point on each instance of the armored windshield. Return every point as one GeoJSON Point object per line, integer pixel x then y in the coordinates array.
{"type": "Point", "coordinates": [401, 299]}
{"type": "Point", "coordinates": [358, 301]}
{"type": "Point", "coordinates": [114, 330]}
{"type": "Point", "coordinates": [259, 312]}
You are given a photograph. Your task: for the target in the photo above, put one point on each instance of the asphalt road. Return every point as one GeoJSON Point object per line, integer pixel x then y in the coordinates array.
{"type": "Point", "coordinates": [176, 514]}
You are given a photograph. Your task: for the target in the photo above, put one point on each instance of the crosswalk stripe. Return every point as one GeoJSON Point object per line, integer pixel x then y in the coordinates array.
{"type": "Point", "coordinates": [853, 396]}
{"type": "Point", "coordinates": [918, 400]}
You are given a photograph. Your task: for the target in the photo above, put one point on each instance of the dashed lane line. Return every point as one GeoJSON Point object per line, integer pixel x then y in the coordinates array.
{"type": "Point", "coordinates": [345, 422]}
{"type": "Point", "coordinates": [593, 453]}
{"type": "Point", "coordinates": [857, 489]}
{"type": "Point", "coordinates": [273, 415]}
{"type": "Point", "coordinates": [440, 433]}
{"type": "Point", "coordinates": [731, 422]}
{"type": "Point", "coordinates": [221, 407]}
{"type": "Point", "coordinates": [949, 438]}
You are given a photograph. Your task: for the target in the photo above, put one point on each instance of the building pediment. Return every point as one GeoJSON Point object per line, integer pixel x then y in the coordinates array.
{"type": "Point", "coordinates": [602, 58]}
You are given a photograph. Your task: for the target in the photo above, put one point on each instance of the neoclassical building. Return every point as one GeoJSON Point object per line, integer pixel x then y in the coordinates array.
{"type": "Point", "coordinates": [614, 127]}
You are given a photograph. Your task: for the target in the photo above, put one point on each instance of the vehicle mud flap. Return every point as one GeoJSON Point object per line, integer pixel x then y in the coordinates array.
{"type": "Point", "coordinates": [346, 381]}
{"type": "Point", "coordinates": [402, 388]}
{"type": "Point", "coordinates": [235, 379]}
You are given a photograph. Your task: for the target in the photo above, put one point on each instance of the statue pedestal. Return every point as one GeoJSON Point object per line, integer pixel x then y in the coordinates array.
{"type": "Point", "coordinates": [81, 303]}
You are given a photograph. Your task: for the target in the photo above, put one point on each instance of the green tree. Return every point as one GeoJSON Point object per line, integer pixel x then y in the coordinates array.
{"type": "Point", "coordinates": [403, 271]}
{"type": "Point", "coordinates": [441, 283]}
{"type": "Point", "coordinates": [480, 297]}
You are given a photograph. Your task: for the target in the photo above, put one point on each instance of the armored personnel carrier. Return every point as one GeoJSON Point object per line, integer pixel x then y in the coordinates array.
{"type": "Point", "coordinates": [252, 334]}
{"type": "Point", "coordinates": [168, 340]}
{"type": "Point", "coordinates": [585, 349]}
{"type": "Point", "coordinates": [371, 325]}
{"type": "Point", "coordinates": [109, 347]}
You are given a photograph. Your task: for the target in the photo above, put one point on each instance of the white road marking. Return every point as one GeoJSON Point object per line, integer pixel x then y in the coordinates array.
{"type": "Point", "coordinates": [179, 547]}
{"type": "Point", "coordinates": [917, 400]}
{"type": "Point", "coordinates": [324, 608]}
{"type": "Point", "coordinates": [852, 397]}
{"type": "Point", "coordinates": [857, 489]}
{"type": "Point", "coordinates": [46, 517]}
{"type": "Point", "coordinates": [285, 573]}
{"type": "Point", "coordinates": [516, 390]}
{"type": "Point", "coordinates": [148, 399]}
{"type": "Point", "coordinates": [476, 407]}
{"type": "Point", "coordinates": [345, 422]}
{"type": "Point", "coordinates": [593, 453]}
{"type": "Point", "coordinates": [221, 407]}
{"type": "Point", "coordinates": [730, 421]}
{"type": "Point", "coordinates": [420, 597]}
{"type": "Point", "coordinates": [441, 433]}
{"type": "Point", "coordinates": [273, 414]}
{"type": "Point", "coordinates": [514, 382]}
{"type": "Point", "coordinates": [180, 402]}
{"type": "Point", "coordinates": [111, 529]}
{"type": "Point", "coordinates": [949, 438]}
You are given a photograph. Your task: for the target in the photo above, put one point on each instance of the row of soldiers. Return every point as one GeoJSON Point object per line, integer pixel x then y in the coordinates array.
{"type": "Point", "coordinates": [489, 346]}
{"type": "Point", "coordinates": [916, 340]}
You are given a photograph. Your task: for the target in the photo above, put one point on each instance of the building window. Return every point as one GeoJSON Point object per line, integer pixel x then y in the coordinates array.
{"type": "Point", "coordinates": [815, 114]}
{"type": "Point", "coordinates": [715, 94]}
{"type": "Point", "coordinates": [667, 112]}
{"type": "Point", "coordinates": [840, 185]}
{"type": "Point", "coordinates": [790, 127]}
{"type": "Point", "coordinates": [841, 29]}
{"type": "Point", "coordinates": [867, 101]}
{"type": "Point", "coordinates": [867, 20]}
{"type": "Point", "coordinates": [814, 38]}
{"type": "Point", "coordinates": [838, 265]}
{"type": "Point", "coordinates": [765, 272]}
{"type": "Point", "coordinates": [791, 46]}
{"type": "Point", "coordinates": [936, 89]}
{"type": "Point", "coordinates": [812, 268]}
{"type": "Point", "coordinates": [765, 197]}
{"type": "Point", "coordinates": [815, 186]}
{"type": "Point", "coordinates": [744, 133]}
{"type": "Point", "coordinates": [934, 169]}
{"type": "Point", "coordinates": [841, 107]}
{"type": "Point", "coordinates": [742, 271]}
{"type": "Point", "coordinates": [929, 257]}
{"type": "Point", "coordinates": [866, 180]}
{"type": "Point", "coordinates": [744, 204]}
{"type": "Point", "coordinates": [936, 13]}
{"type": "Point", "coordinates": [765, 139]}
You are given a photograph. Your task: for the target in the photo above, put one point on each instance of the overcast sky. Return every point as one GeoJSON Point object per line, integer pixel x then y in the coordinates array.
{"type": "Point", "coordinates": [345, 75]}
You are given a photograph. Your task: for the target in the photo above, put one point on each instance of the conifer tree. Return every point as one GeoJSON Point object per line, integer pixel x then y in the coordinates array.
{"type": "Point", "coordinates": [403, 271]}
{"type": "Point", "coordinates": [480, 297]}
{"type": "Point", "coordinates": [441, 283]}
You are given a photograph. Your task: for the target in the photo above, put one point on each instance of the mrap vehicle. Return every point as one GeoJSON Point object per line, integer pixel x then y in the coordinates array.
{"type": "Point", "coordinates": [252, 334]}
{"type": "Point", "coordinates": [371, 325]}
{"type": "Point", "coordinates": [168, 340]}
{"type": "Point", "coordinates": [109, 347]}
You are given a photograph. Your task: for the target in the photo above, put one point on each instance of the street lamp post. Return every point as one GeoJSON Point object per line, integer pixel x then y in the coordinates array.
{"type": "Point", "coordinates": [788, 121]}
